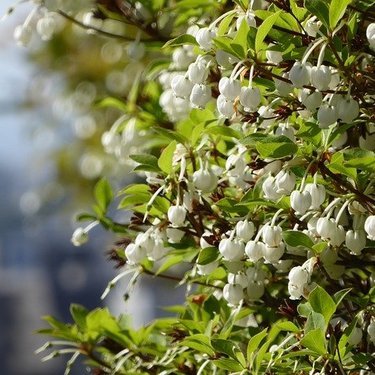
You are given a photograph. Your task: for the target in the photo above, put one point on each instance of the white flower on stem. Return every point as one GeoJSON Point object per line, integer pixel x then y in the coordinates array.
{"type": "Point", "coordinates": [174, 235]}
{"type": "Point", "coordinates": [238, 278]}
{"type": "Point", "coordinates": [337, 237]}
{"type": "Point", "coordinates": [285, 182]}
{"type": "Point", "coordinates": [79, 237]}
{"type": "Point", "coordinates": [22, 35]}
{"type": "Point", "coordinates": [200, 95]}
{"type": "Point", "coordinates": [230, 88]}
{"type": "Point", "coordinates": [205, 180]}
{"type": "Point", "coordinates": [295, 291]}
{"type": "Point", "coordinates": [225, 107]}
{"type": "Point", "coordinates": [204, 37]}
{"type": "Point", "coordinates": [157, 251]}
{"type": "Point", "coordinates": [320, 77]}
{"type": "Point", "coordinates": [347, 110]}
{"type": "Point", "coordinates": [300, 201]}
{"type": "Point", "coordinates": [135, 254]}
{"type": "Point", "coordinates": [299, 74]}
{"type": "Point", "coordinates": [270, 189]}
{"type": "Point", "coordinates": [250, 98]}
{"type": "Point", "coordinates": [255, 274]}
{"type": "Point", "coordinates": [198, 71]}
{"type": "Point", "coordinates": [245, 230]}
{"type": "Point", "coordinates": [233, 293]}
{"type": "Point", "coordinates": [325, 227]}
{"type": "Point", "coordinates": [370, 35]}
{"type": "Point", "coordinates": [312, 26]}
{"type": "Point", "coordinates": [272, 254]}
{"type": "Point", "coordinates": [249, 17]}
{"type": "Point", "coordinates": [177, 215]}
{"type": "Point", "coordinates": [298, 276]}
{"type": "Point", "coordinates": [235, 164]}
{"type": "Point", "coordinates": [327, 115]}
{"type": "Point", "coordinates": [182, 57]}
{"type": "Point", "coordinates": [206, 269]}
{"type": "Point", "coordinates": [255, 290]}
{"type": "Point", "coordinates": [370, 227]}
{"type": "Point", "coordinates": [231, 249]}
{"type": "Point", "coordinates": [318, 195]}
{"type": "Point", "coordinates": [254, 250]}
{"type": "Point", "coordinates": [181, 86]}
{"type": "Point", "coordinates": [272, 235]}
{"type": "Point", "coordinates": [274, 57]}
{"type": "Point", "coordinates": [311, 100]}
{"type": "Point", "coordinates": [355, 241]}
{"type": "Point", "coordinates": [371, 331]}
{"type": "Point", "coordinates": [286, 131]}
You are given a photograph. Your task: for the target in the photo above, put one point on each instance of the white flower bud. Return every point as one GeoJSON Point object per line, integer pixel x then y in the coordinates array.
{"type": "Point", "coordinates": [198, 72]}
{"type": "Point", "coordinates": [274, 57]}
{"type": "Point", "coordinates": [157, 251]}
{"type": "Point", "coordinates": [298, 276]}
{"type": "Point", "coordinates": [22, 35]}
{"type": "Point", "coordinates": [249, 17]}
{"type": "Point", "coordinates": [295, 291]}
{"type": "Point", "coordinates": [347, 110]}
{"type": "Point", "coordinates": [235, 164]}
{"type": "Point", "coordinates": [267, 116]}
{"type": "Point", "coordinates": [200, 95]}
{"type": "Point", "coordinates": [337, 236]}
{"type": "Point", "coordinates": [355, 241]}
{"type": "Point", "coordinates": [311, 101]}
{"type": "Point", "coordinates": [272, 254]}
{"type": "Point", "coordinates": [311, 225]}
{"type": "Point", "coordinates": [135, 253]}
{"type": "Point", "coordinates": [255, 290]}
{"type": "Point", "coordinates": [205, 180]}
{"type": "Point", "coordinates": [355, 336]}
{"type": "Point", "coordinates": [233, 293]}
{"type": "Point", "coordinates": [225, 107]}
{"type": "Point", "coordinates": [300, 201]}
{"type": "Point", "coordinates": [136, 50]}
{"type": "Point", "coordinates": [312, 27]}
{"type": "Point", "coordinates": [320, 77]}
{"type": "Point", "coordinates": [46, 27]}
{"type": "Point", "coordinates": [177, 215]}
{"type": "Point", "coordinates": [182, 58]}
{"type": "Point", "coordinates": [270, 189]}
{"type": "Point", "coordinates": [79, 237]}
{"type": "Point", "coordinates": [318, 195]}
{"type": "Point", "coordinates": [325, 227]}
{"type": "Point", "coordinates": [370, 227]}
{"type": "Point", "coordinates": [371, 326]}
{"type": "Point", "coordinates": [231, 249]}
{"type": "Point", "coordinates": [250, 98]}
{"type": "Point", "coordinates": [285, 182]}
{"type": "Point", "coordinates": [299, 74]}
{"type": "Point", "coordinates": [206, 269]}
{"type": "Point", "coordinates": [204, 37]}
{"type": "Point", "coordinates": [255, 274]}
{"type": "Point", "coordinates": [229, 87]}
{"type": "Point", "coordinates": [283, 88]}
{"type": "Point", "coordinates": [254, 250]}
{"type": "Point", "coordinates": [286, 130]}
{"type": "Point", "coordinates": [370, 34]}
{"type": "Point", "coordinates": [245, 230]}
{"type": "Point", "coordinates": [239, 278]}
{"type": "Point", "coordinates": [174, 235]}
{"type": "Point", "coordinates": [181, 86]}
{"type": "Point", "coordinates": [202, 242]}
{"type": "Point", "coordinates": [272, 235]}
{"type": "Point", "coordinates": [327, 115]}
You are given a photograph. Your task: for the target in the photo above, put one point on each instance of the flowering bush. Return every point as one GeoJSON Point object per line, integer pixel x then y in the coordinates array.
{"type": "Point", "coordinates": [252, 126]}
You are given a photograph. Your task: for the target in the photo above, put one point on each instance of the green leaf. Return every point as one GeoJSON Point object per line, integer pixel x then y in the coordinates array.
{"type": "Point", "coordinates": [113, 103]}
{"type": "Point", "coordinates": [223, 130]}
{"type": "Point", "coordinates": [150, 162]}
{"type": "Point", "coordinates": [79, 314]}
{"type": "Point", "coordinates": [224, 346]}
{"type": "Point", "coordinates": [315, 321]}
{"type": "Point", "coordinates": [208, 255]}
{"type": "Point", "coordinates": [199, 342]}
{"type": "Point", "coordinates": [337, 10]}
{"type": "Point", "coordinates": [321, 302]}
{"type": "Point", "coordinates": [169, 262]}
{"type": "Point", "coordinates": [228, 364]}
{"type": "Point", "coordinates": [304, 309]}
{"type": "Point", "coordinates": [319, 9]}
{"type": "Point", "coordinates": [264, 29]}
{"type": "Point", "coordinates": [254, 343]}
{"type": "Point", "coordinates": [181, 40]}
{"type": "Point", "coordinates": [171, 135]}
{"type": "Point", "coordinates": [276, 147]}
{"type": "Point", "coordinates": [296, 238]}
{"type": "Point", "coordinates": [240, 39]}
{"type": "Point", "coordinates": [165, 159]}
{"type": "Point", "coordinates": [340, 295]}
{"type": "Point", "coordinates": [315, 341]}
{"type": "Point", "coordinates": [103, 194]}
{"type": "Point", "coordinates": [287, 326]}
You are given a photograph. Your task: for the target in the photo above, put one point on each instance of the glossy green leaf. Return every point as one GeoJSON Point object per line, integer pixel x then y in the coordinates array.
{"type": "Point", "coordinates": [264, 29]}
{"type": "Point", "coordinates": [181, 40]}
{"type": "Point", "coordinates": [296, 238]}
{"type": "Point", "coordinates": [337, 10]}
{"type": "Point", "coordinates": [321, 302]}
{"type": "Point", "coordinates": [315, 341]}
{"type": "Point", "coordinates": [103, 194]}
{"type": "Point", "coordinates": [165, 159]}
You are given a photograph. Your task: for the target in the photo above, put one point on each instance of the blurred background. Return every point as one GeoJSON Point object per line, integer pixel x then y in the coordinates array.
{"type": "Point", "coordinates": [50, 158]}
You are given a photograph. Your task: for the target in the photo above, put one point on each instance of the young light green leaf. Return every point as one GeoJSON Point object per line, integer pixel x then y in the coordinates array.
{"type": "Point", "coordinates": [315, 341]}
{"type": "Point", "coordinates": [321, 302]}
{"type": "Point", "coordinates": [181, 40]}
{"type": "Point", "coordinates": [276, 147]}
{"type": "Point", "coordinates": [296, 238]}
{"type": "Point", "coordinates": [103, 194]}
{"type": "Point", "coordinates": [319, 9]}
{"type": "Point", "coordinates": [337, 10]}
{"type": "Point", "coordinates": [165, 159]}
{"type": "Point", "coordinates": [228, 364]}
{"type": "Point", "coordinates": [254, 343]}
{"type": "Point", "coordinates": [264, 29]}
{"type": "Point", "coordinates": [208, 255]}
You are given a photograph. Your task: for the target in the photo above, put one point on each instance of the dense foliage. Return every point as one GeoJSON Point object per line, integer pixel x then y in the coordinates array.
{"type": "Point", "coordinates": [251, 125]}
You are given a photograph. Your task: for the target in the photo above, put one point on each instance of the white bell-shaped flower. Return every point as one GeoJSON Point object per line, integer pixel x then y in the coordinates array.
{"type": "Point", "coordinates": [255, 290]}
{"type": "Point", "coordinates": [370, 35]}
{"type": "Point", "coordinates": [318, 195]}
{"type": "Point", "coordinates": [22, 35]}
{"type": "Point", "coordinates": [285, 182]}
{"type": "Point", "coordinates": [174, 235]}
{"type": "Point", "coordinates": [205, 180]}
{"type": "Point", "coordinates": [299, 74]}
{"type": "Point", "coordinates": [230, 88]}
{"type": "Point", "coordinates": [272, 254]}
{"type": "Point", "coordinates": [270, 189]}
{"type": "Point", "coordinates": [371, 331]}
{"type": "Point", "coordinates": [238, 278]}
{"type": "Point", "coordinates": [136, 50]}
{"type": "Point", "coordinates": [181, 86]}
{"type": "Point", "coordinates": [337, 237]}
{"type": "Point", "coordinates": [274, 57]}
{"type": "Point", "coordinates": [250, 98]}
{"type": "Point", "coordinates": [295, 291]}
{"type": "Point", "coordinates": [311, 225]}
{"type": "Point", "coordinates": [311, 100]}
{"type": "Point", "coordinates": [298, 276]}
{"type": "Point", "coordinates": [325, 227]}
{"type": "Point", "coordinates": [249, 17]}
{"type": "Point", "coordinates": [370, 227]}
{"type": "Point", "coordinates": [272, 235]}
{"type": "Point", "coordinates": [254, 250]}
{"type": "Point", "coordinates": [327, 115]}
{"type": "Point", "coordinates": [181, 58]}
{"type": "Point", "coordinates": [204, 37]}
{"type": "Point", "coordinates": [231, 249]}
{"type": "Point", "coordinates": [79, 237]}
{"type": "Point", "coordinates": [157, 251]}
{"type": "Point", "coordinates": [225, 106]}
{"type": "Point", "coordinates": [347, 110]}
{"type": "Point", "coordinates": [245, 230]}
{"type": "Point", "coordinates": [355, 241]}
{"type": "Point", "coordinates": [135, 254]}
{"type": "Point", "coordinates": [320, 77]}
{"type": "Point", "coordinates": [198, 72]}
{"type": "Point", "coordinates": [206, 269]}
{"type": "Point", "coordinates": [300, 201]}
{"type": "Point", "coordinates": [233, 293]}
{"type": "Point", "coordinates": [46, 27]}
{"type": "Point", "coordinates": [286, 131]}
{"type": "Point", "coordinates": [312, 26]}
{"type": "Point", "coordinates": [200, 95]}
{"type": "Point", "coordinates": [177, 215]}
